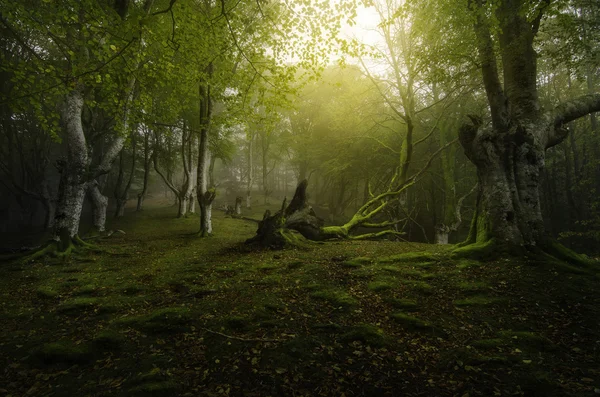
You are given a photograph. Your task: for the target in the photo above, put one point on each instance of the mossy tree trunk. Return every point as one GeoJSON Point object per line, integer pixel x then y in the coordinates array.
{"type": "Point", "coordinates": [298, 221]}
{"type": "Point", "coordinates": [510, 154]}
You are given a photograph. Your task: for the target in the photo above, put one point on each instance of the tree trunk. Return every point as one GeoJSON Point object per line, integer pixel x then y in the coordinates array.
{"type": "Point", "coordinates": [206, 194]}
{"type": "Point", "coordinates": [142, 194]}
{"type": "Point", "coordinates": [71, 190]}
{"type": "Point", "coordinates": [250, 178]}
{"type": "Point", "coordinates": [238, 205]}
{"type": "Point", "coordinates": [510, 154]}
{"type": "Point", "coordinates": [509, 166]}
{"type": "Point", "coordinates": [99, 205]}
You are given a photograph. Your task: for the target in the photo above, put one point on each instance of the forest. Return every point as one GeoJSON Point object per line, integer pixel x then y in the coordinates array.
{"type": "Point", "coordinates": [299, 198]}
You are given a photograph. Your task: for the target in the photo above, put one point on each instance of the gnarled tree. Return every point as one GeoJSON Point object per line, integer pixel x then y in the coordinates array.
{"type": "Point", "coordinates": [509, 153]}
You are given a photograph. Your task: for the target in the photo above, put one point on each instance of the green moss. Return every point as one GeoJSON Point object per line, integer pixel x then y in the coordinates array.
{"type": "Point", "coordinates": [366, 333]}
{"type": "Point", "coordinates": [419, 286]}
{"type": "Point", "coordinates": [489, 343]}
{"type": "Point", "coordinates": [527, 339]}
{"type": "Point", "coordinates": [481, 251]}
{"type": "Point", "coordinates": [167, 320]}
{"type": "Point", "coordinates": [265, 267]}
{"type": "Point", "coordinates": [380, 285]}
{"type": "Point", "coordinates": [46, 293]}
{"type": "Point", "coordinates": [357, 262]}
{"type": "Point", "coordinates": [295, 265]}
{"type": "Point", "coordinates": [336, 298]}
{"type": "Point", "coordinates": [409, 322]}
{"type": "Point", "coordinates": [411, 257]}
{"type": "Point", "coordinates": [78, 305]}
{"type": "Point", "coordinates": [88, 289]}
{"type": "Point", "coordinates": [154, 389]}
{"type": "Point", "coordinates": [471, 287]}
{"type": "Point", "coordinates": [108, 340]}
{"type": "Point", "coordinates": [561, 252]}
{"type": "Point", "coordinates": [404, 304]}
{"type": "Point", "coordinates": [63, 352]}
{"type": "Point", "coordinates": [464, 264]}
{"type": "Point", "coordinates": [402, 271]}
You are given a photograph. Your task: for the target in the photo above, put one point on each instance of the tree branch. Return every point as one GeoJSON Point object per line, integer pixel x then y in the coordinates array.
{"type": "Point", "coordinates": [567, 112]}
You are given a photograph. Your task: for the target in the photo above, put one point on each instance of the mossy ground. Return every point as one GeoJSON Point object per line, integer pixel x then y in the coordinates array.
{"type": "Point", "coordinates": [159, 311]}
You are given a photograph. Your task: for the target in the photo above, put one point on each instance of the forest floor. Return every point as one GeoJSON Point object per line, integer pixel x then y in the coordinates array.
{"type": "Point", "coordinates": [160, 312]}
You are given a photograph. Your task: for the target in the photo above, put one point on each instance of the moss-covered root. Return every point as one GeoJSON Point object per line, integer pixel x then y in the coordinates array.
{"type": "Point", "coordinates": [553, 250]}
{"type": "Point", "coordinates": [488, 250]}
{"type": "Point", "coordinates": [549, 250]}
{"type": "Point", "coordinates": [61, 249]}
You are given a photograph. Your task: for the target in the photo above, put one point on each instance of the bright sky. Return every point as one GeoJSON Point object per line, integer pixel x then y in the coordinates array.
{"type": "Point", "coordinates": [365, 31]}
{"type": "Point", "coordinates": [366, 26]}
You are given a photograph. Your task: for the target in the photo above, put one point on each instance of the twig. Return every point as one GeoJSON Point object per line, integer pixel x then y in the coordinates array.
{"type": "Point", "coordinates": [238, 338]}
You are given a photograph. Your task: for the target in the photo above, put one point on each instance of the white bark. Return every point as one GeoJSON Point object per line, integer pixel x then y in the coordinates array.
{"type": "Point", "coordinates": [73, 171]}
{"type": "Point", "coordinates": [99, 205]}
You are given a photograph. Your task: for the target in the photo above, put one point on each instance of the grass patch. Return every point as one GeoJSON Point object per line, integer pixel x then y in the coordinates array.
{"type": "Point", "coordinates": [409, 322]}
{"type": "Point", "coordinates": [471, 287]}
{"type": "Point", "coordinates": [464, 264]}
{"type": "Point", "coordinates": [78, 305]}
{"type": "Point", "coordinates": [527, 339]}
{"type": "Point", "coordinates": [409, 305]}
{"type": "Point", "coordinates": [46, 293]}
{"type": "Point", "coordinates": [411, 257]}
{"type": "Point", "coordinates": [108, 340]}
{"type": "Point", "coordinates": [365, 333]}
{"type": "Point", "coordinates": [357, 262]}
{"type": "Point", "coordinates": [266, 267]}
{"type": "Point", "coordinates": [167, 320]}
{"type": "Point", "coordinates": [489, 343]}
{"type": "Point", "coordinates": [63, 352]}
{"type": "Point", "coordinates": [419, 286]}
{"type": "Point", "coordinates": [86, 290]}
{"type": "Point", "coordinates": [381, 285]}
{"type": "Point", "coordinates": [337, 298]}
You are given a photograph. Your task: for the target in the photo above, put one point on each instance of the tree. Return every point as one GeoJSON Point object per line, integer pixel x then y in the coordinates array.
{"type": "Point", "coordinates": [509, 154]}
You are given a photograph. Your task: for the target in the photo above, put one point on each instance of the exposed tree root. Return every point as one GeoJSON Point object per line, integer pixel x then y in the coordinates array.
{"type": "Point", "coordinates": [60, 249]}
{"type": "Point", "coordinates": [376, 235]}
{"type": "Point", "coordinates": [548, 251]}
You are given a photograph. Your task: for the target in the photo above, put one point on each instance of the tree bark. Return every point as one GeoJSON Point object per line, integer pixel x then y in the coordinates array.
{"type": "Point", "coordinates": [99, 205]}
{"type": "Point", "coordinates": [250, 176]}
{"type": "Point", "coordinates": [142, 194]}
{"type": "Point", "coordinates": [510, 154]}
{"type": "Point", "coordinates": [238, 205]}
{"type": "Point", "coordinates": [73, 178]}
{"type": "Point", "coordinates": [206, 194]}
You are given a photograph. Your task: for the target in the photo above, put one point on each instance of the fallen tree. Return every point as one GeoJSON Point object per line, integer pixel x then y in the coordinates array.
{"type": "Point", "coordinates": [297, 222]}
